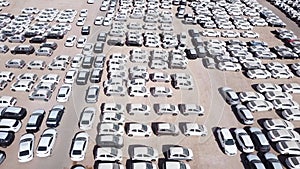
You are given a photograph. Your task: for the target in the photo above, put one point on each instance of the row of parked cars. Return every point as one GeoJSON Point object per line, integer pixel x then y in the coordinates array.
{"type": "Point", "coordinates": [290, 8]}
{"type": "Point", "coordinates": [11, 123]}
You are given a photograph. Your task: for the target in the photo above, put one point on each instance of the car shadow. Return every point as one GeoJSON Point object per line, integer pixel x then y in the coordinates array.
{"type": "Point", "coordinates": [254, 86]}
{"type": "Point", "coordinates": [244, 160]}
{"type": "Point", "coordinates": [165, 149]}
{"type": "Point", "coordinates": [282, 159]}
{"type": "Point", "coordinates": [181, 126]}
{"type": "Point", "coordinates": [214, 131]}
{"type": "Point", "coordinates": [235, 112]}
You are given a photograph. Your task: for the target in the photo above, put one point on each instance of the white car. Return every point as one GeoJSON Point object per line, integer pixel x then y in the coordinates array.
{"type": "Point", "coordinates": [138, 129]}
{"type": "Point", "coordinates": [10, 125]}
{"type": "Point", "coordinates": [51, 78]}
{"type": "Point", "coordinates": [273, 95]}
{"type": "Point", "coordinates": [282, 74]}
{"type": "Point", "coordinates": [227, 141]}
{"type": "Point", "coordinates": [57, 65]}
{"type": "Point", "coordinates": [44, 51]}
{"type": "Point", "coordinates": [22, 85]}
{"type": "Point", "coordinates": [258, 74]}
{"type": "Point", "coordinates": [116, 90]}
{"type": "Point", "coordinates": [70, 76]}
{"type": "Point", "coordinates": [293, 162]}
{"type": "Point", "coordinates": [138, 91]}
{"type": "Point", "coordinates": [144, 153]}
{"type": "Point", "coordinates": [230, 34]}
{"type": "Point", "coordinates": [7, 76]}
{"type": "Point", "coordinates": [291, 114]}
{"type": "Point", "coordinates": [189, 109]}
{"type": "Point", "coordinates": [179, 153]}
{"type": "Point", "coordinates": [98, 20]}
{"type": "Point", "coordinates": [111, 128]}
{"type": "Point", "coordinates": [283, 135]}
{"type": "Point", "coordinates": [280, 104]}
{"type": "Point", "coordinates": [79, 146]}
{"type": "Point", "coordinates": [136, 82]}
{"type": "Point", "coordinates": [111, 165]}
{"type": "Point", "coordinates": [113, 118]}
{"type": "Point", "coordinates": [163, 108]}
{"type": "Point", "coordinates": [291, 88]}
{"type": "Point", "coordinates": [70, 41]}
{"type": "Point", "coordinates": [108, 154]}
{"type": "Point", "coordinates": [36, 64]}
{"type": "Point", "coordinates": [249, 96]}
{"type": "Point", "coordinates": [244, 140]}
{"type": "Point", "coordinates": [46, 143]}
{"type": "Point", "coordinates": [175, 165]}
{"type": "Point", "coordinates": [276, 124]}
{"type": "Point", "coordinates": [113, 108]}
{"type": "Point", "coordinates": [143, 165]}
{"type": "Point", "coordinates": [249, 34]}
{"type": "Point", "coordinates": [194, 129]}
{"type": "Point", "coordinates": [259, 105]}
{"type": "Point", "coordinates": [288, 147]}
{"type": "Point", "coordinates": [160, 91]}
{"type": "Point", "coordinates": [81, 41]}
{"type": "Point", "coordinates": [211, 33]}
{"type": "Point", "coordinates": [276, 65]}
{"type": "Point", "coordinates": [83, 13]}
{"type": "Point", "coordinates": [229, 66]}
{"type": "Point", "coordinates": [264, 87]}
{"type": "Point", "coordinates": [160, 77]}
{"type": "Point", "coordinates": [136, 108]}
{"type": "Point", "coordinates": [87, 118]}
{"type": "Point", "coordinates": [26, 147]}
{"type": "Point", "coordinates": [64, 93]}
{"type": "Point", "coordinates": [81, 21]}
{"type": "Point", "coordinates": [6, 101]}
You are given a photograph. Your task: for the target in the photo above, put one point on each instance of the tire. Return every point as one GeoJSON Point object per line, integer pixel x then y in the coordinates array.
{"type": "Point", "coordinates": [174, 114]}
{"type": "Point", "coordinates": [130, 135]}
{"type": "Point", "coordinates": [146, 96]}
{"type": "Point", "coordinates": [187, 135]}
{"type": "Point", "coordinates": [146, 135]}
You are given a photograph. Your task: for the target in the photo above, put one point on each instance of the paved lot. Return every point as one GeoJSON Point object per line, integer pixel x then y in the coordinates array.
{"type": "Point", "coordinates": [207, 153]}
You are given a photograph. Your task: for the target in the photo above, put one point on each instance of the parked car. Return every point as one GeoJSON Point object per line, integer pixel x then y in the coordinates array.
{"type": "Point", "coordinates": [143, 153]}
{"type": "Point", "coordinates": [46, 143]}
{"type": "Point", "coordinates": [227, 142]}
{"type": "Point", "coordinates": [79, 146]}
{"type": "Point", "coordinates": [26, 147]}
{"type": "Point", "coordinates": [55, 115]}
{"type": "Point", "coordinates": [179, 153]}
{"type": "Point", "coordinates": [35, 121]}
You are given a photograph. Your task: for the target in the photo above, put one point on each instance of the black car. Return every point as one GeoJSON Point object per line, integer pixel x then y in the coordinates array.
{"type": "Point", "coordinates": [55, 115]}
{"type": "Point", "coordinates": [85, 30]}
{"type": "Point", "coordinates": [259, 139]}
{"type": "Point", "coordinates": [191, 53]}
{"type": "Point", "coordinates": [35, 121]}
{"type": "Point", "coordinates": [38, 39]}
{"type": "Point", "coordinates": [29, 34]}
{"type": "Point", "coordinates": [52, 45]}
{"type": "Point", "coordinates": [13, 112]}
{"type": "Point", "coordinates": [23, 49]}
{"type": "Point", "coordinates": [55, 35]}
{"type": "Point", "coordinates": [6, 138]}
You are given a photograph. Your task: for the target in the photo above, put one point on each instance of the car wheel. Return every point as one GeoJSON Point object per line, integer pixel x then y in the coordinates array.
{"type": "Point", "coordinates": [174, 114]}
{"type": "Point", "coordinates": [31, 99]}
{"type": "Point", "coordinates": [45, 100]}
{"type": "Point", "coordinates": [122, 95]}
{"type": "Point", "coordinates": [29, 68]}
{"type": "Point", "coordinates": [130, 135]}
{"type": "Point", "coordinates": [27, 90]}
{"type": "Point", "coordinates": [108, 95]}
{"type": "Point", "coordinates": [256, 37]}
{"type": "Point", "coordinates": [237, 70]}
{"type": "Point", "coordinates": [169, 96]}
{"type": "Point", "coordinates": [131, 95]}
{"type": "Point", "coordinates": [289, 77]}
{"type": "Point", "coordinates": [146, 135]}
{"type": "Point", "coordinates": [146, 96]}
{"type": "Point", "coordinates": [50, 69]}
{"type": "Point", "coordinates": [187, 135]}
